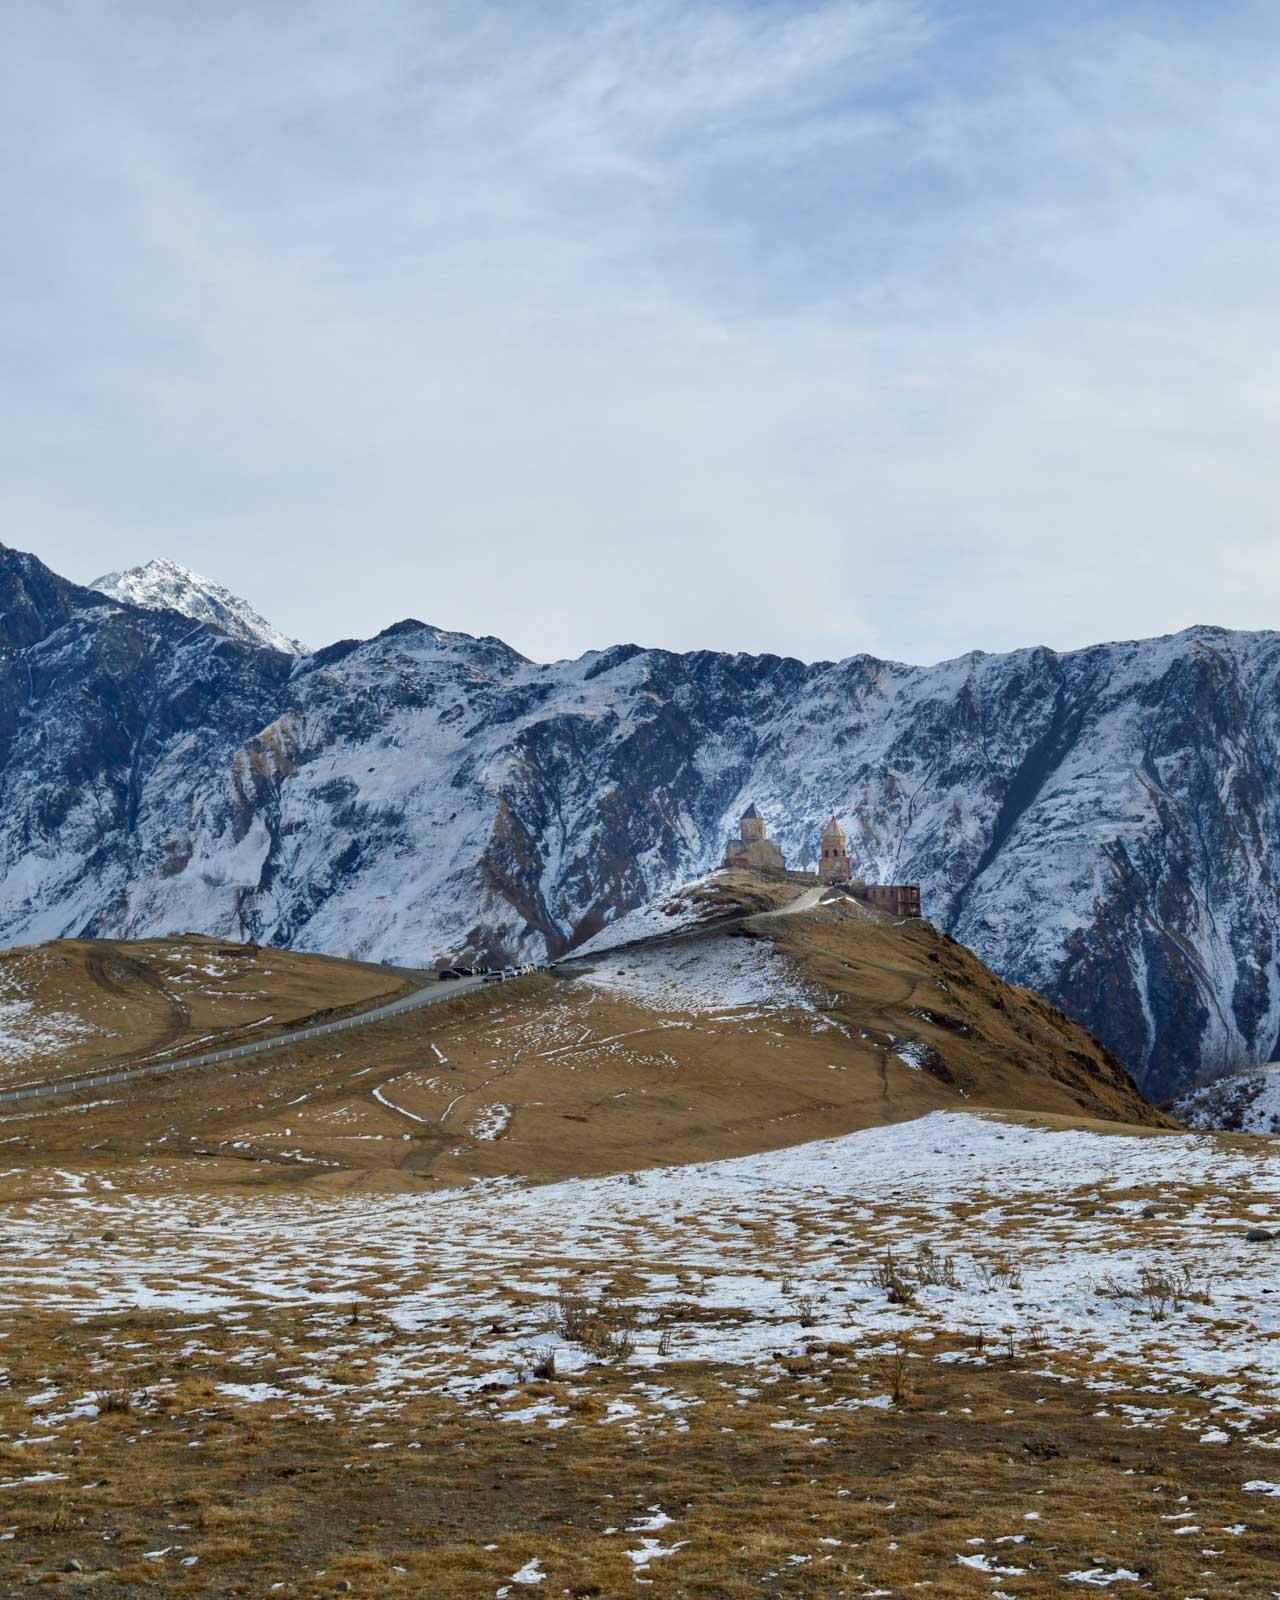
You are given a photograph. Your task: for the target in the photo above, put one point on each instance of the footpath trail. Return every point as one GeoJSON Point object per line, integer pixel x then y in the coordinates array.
{"type": "Point", "coordinates": [431, 993]}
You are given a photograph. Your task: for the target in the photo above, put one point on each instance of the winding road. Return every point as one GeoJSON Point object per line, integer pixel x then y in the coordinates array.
{"type": "Point", "coordinates": [429, 994]}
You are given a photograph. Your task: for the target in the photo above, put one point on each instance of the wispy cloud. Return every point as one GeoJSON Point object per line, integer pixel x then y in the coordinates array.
{"type": "Point", "coordinates": [805, 327]}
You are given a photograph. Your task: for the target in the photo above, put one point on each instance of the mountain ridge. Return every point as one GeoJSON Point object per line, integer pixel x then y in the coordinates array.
{"type": "Point", "coordinates": [1096, 824]}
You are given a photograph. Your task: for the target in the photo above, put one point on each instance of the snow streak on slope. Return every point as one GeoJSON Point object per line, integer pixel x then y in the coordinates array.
{"type": "Point", "coordinates": [676, 912]}
{"type": "Point", "coordinates": [163, 585]}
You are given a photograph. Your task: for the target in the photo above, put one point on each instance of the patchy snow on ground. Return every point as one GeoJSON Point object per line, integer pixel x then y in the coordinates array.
{"type": "Point", "coordinates": [719, 973]}
{"type": "Point", "coordinates": [28, 1033]}
{"type": "Point", "coordinates": [489, 1122]}
{"type": "Point", "coordinates": [1245, 1102]}
{"type": "Point", "coordinates": [1100, 1578]}
{"type": "Point", "coordinates": [1045, 1240]}
{"type": "Point", "coordinates": [912, 1054]}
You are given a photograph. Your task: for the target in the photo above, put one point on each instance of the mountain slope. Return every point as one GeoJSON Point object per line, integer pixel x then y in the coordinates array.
{"type": "Point", "coordinates": [834, 1365]}
{"type": "Point", "coordinates": [1242, 1102]}
{"type": "Point", "coordinates": [1098, 825]}
{"type": "Point", "coordinates": [163, 585]}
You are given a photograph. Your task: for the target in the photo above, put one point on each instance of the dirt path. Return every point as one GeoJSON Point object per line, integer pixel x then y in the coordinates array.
{"type": "Point", "coordinates": [122, 975]}
{"type": "Point", "coordinates": [808, 901]}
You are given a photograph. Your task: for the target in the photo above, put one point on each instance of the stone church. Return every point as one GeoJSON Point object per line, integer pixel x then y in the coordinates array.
{"type": "Point", "coordinates": [753, 848]}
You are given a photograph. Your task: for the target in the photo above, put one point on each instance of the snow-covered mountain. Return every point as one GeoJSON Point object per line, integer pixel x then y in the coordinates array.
{"type": "Point", "coordinates": [1100, 824]}
{"type": "Point", "coordinates": [163, 585]}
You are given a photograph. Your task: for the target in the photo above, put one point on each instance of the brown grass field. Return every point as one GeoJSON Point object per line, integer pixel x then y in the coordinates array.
{"type": "Point", "coordinates": [285, 1326]}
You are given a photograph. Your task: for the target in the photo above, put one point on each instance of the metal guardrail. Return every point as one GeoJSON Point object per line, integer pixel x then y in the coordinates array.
{"type": "Point", "coordinates": [100, 1080]}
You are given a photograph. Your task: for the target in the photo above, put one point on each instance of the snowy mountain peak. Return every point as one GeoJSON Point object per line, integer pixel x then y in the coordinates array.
{"type": "Point", "coordinates": [163, 585]}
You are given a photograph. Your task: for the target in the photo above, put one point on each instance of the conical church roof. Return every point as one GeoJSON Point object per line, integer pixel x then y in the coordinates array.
{"type": "Point", "coordinates": [833, 830]}
{"type": "Point", "coordinates": [752, 813]}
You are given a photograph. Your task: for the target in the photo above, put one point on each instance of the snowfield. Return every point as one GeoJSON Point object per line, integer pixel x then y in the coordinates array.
{"type": "Point", "coordinates": [718, 974]}
{"type": "Point", "coordinates": [1110, 1248]}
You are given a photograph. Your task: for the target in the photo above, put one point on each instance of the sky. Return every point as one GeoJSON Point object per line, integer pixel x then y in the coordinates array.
{"type": "Point", "coordinates": [803, 326]}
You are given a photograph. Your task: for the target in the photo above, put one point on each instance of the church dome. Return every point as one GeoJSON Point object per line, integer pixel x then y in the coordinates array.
{"type": "Point", "coordinates": [833, 830]}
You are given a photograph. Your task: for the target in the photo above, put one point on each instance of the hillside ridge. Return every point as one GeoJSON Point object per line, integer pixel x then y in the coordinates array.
{"type": "Point", "coordinates": [764, 1020]}
{"type": "Point", "coordinates": [1098, 824]}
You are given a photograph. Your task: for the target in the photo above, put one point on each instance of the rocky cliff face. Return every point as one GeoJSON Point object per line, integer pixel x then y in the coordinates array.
{"type": "Point", "coordinates": [1098, 825]}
